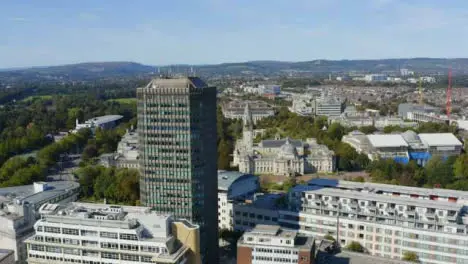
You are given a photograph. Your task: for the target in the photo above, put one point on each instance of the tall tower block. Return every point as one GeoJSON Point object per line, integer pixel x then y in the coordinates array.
{"type": "Point", "coordinates": [178, 154]}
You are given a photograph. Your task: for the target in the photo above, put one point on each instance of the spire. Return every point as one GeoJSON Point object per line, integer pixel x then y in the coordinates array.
{"type": "Point", "coordinates": [248, 122]}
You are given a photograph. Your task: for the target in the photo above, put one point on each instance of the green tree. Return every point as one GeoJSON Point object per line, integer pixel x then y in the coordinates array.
{"type": "Point", "coordinates": [439, 172]}
{"type": "Point", "coordinates": [461, 167]}
{"type": "Point", "coordinates": [355, 247]}
{"type": "Point", "coordinates": [410, 256]}
{"type": "Point", "coordinates": [90, 151]}
{"type": "Point", "coordinates": [367, 129]}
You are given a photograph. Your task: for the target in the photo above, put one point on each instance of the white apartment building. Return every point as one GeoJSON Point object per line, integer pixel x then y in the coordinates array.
{"type": "Point", "coordinates": [233, 187]}
{"type": "Point", "coordinates": [236, 109]}
{"type": "Point", "coordinates": [106, 234]}
{"type": "Point", "coordinates": [271, 244]}
{"type": "Point", "coordinates": [386, 220]}
{"type": "Point", "coordinates": [427, 117]}
{"type": "Point", "coordinates": [18, 210]}
{"type": "Point", "coordinates": [328, 106]}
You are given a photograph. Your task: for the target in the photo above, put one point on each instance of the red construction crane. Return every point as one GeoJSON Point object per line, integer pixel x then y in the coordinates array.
{"type": "Point", "coordinates": [448, 103]}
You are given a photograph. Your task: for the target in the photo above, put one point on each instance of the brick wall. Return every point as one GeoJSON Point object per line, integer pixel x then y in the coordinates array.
{"type": "Point", "coordinates": [305, 257]}
{"type": "Point", "coordinates": [244, 255]}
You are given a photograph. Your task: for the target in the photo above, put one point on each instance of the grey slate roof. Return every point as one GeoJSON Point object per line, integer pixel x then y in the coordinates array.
{"type": "Point", "coordinates": [227, 178]}
{"type": "Point", "coordinates": [271, 143]}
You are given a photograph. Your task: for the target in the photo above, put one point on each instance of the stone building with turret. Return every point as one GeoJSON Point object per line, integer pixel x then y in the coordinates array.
{"type": "Point", "coordinates": [280, 156]}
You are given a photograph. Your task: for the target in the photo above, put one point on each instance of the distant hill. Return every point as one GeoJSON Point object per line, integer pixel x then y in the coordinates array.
{"type": "Point", "coordinates": [100, 70]}
{"type": "Point", "coordinates": [80, 71]}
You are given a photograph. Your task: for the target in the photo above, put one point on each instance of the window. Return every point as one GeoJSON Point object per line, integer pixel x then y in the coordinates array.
{"type": "Point", "coordinates": [146, 259]}
{"type": "Point", "coordinates": [109, 255]}
{"type": "Point", "coordinates": [109, 245]}
{"type": "Point", "coordinates": [71, 251]}
{"type": "Point", "coordinates": [129, 247]}
{"type": "Point", "coordinates": [50, 229]}
{"type": "Point", "coordinates": [53, 240]}
{"type": "Point", "coordinates": [89, 233]}
{"type": "Point", "coordinates": [109, 235]}
{"type": "Point", "coordinates": [37, 247]}
{"type": "Point", "coordinates": [149, 249]}
{"type": "Point", "coordinates": [54, 249]}
{"type": "Point", "coordinates": [69, 241]}
{"type": "Point", "coordinates": [128, 237]}
{"type": "Point", "coordinates": [69, 231]}
{"type": "Point", "coordinates": [130, 257]}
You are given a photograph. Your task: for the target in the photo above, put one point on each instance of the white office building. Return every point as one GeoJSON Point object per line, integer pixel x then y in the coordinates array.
{"type": "Point", "coordinates": [103, 122]}
{"type": "Point", "coordinates": [258, 109]}
{"type": "Point", "coordinates": [271, 244]}
{"type": "Point", "coordinates": [328, 106]}
{"type": "Point", "coordinates": [386, 220]}
{"type": "Point", "coordinates": [233, 187]}
{"type": "Point", "coordinates": [18, 210]}
{"type": "Point", "coordinates": [106, 234]}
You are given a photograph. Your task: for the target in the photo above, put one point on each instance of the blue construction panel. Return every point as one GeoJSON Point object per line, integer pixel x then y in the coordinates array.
{"type": "Point", "coordinates": [420, 155]}
{"type": "Point", "coordinates": [403, 160]}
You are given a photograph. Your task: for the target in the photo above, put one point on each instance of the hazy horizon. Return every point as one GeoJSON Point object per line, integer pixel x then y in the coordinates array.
{"type": "Point", "coordinates": [38, 34]}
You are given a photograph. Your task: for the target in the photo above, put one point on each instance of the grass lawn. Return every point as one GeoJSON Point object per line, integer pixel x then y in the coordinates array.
{"type": "Point", "coordinates": [32, 97]}
{"type": "Point", "coordinates": [123, 100]}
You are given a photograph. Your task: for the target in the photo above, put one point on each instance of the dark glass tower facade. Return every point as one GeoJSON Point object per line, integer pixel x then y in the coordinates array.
{"type": "Point", "coordinates": [178, 154]}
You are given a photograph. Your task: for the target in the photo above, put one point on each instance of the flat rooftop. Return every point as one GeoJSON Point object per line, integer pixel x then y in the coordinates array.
{"type": "Point", "coordinates": [26, 193]}
{"type": "Point", "coordinates": [376, 187]}
{"type": "Point", "coordinates": [111, 216]}
{"type": "Point", "coordinates": [277, 231]}
{"type": "Point", "coordinates": [347, 257]}
{"type": "Point", "coordinates": [439, 139]}
{"type": "Point", "coordinates": [104, 119]}
{"type": "Point", "coordinates": [366, 196]}
{"type": "Point", "coordinates": [386, 141]}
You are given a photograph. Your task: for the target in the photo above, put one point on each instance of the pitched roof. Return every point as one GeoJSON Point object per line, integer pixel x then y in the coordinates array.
{"type": "Point", "coordinates": [272, 143]}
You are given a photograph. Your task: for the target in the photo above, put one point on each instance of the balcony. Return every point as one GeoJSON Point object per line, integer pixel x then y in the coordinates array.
{"type": "Point", "coordinates": [410, 212]}
{"type": "Point", "coordinates": [430, 215]}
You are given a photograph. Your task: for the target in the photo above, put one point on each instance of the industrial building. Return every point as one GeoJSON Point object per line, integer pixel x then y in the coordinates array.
{"type": "Point", "coordinates": [178, 154]}
{"type": "Point", "coordinates": [233, 187]}
{"type": "Point", "coordinates": [271, 244]}
{"type": "Point", "coordinates": [19, 206]}
{"type": "Point", "coordinates": [387, 220]}
{"type": "Point", "coordinates": [406, 146]}
{"type": "Point", "coordinates": [103, 122]}
{"type": "Point", "coordinates": [99, 233]}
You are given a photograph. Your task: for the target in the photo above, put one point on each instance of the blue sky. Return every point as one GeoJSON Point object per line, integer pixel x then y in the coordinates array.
{"type": "Point", "coordinates": [159, 32]}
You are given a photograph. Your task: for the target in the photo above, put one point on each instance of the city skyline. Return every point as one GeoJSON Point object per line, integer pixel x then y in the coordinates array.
{"type": "Point", "coordinates": [56, 33]}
